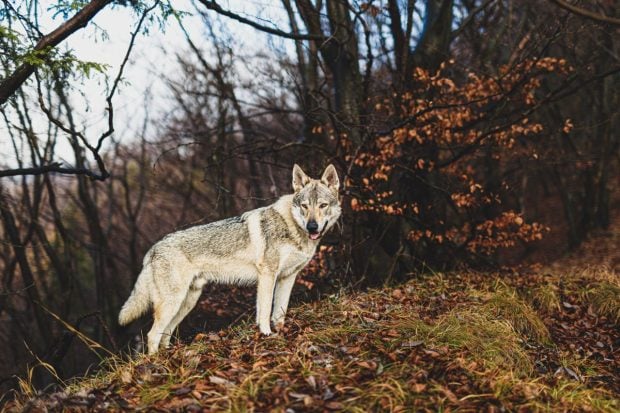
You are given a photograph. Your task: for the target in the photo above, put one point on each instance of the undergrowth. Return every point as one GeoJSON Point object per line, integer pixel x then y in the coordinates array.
{"type": "Point", "coordinates": [441, 342]}
{"type": "Point", "coordinates": [605, 298]}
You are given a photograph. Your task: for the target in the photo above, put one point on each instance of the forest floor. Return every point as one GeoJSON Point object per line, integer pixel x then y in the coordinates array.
{"type": "Point", "coordinates": [542, 338]}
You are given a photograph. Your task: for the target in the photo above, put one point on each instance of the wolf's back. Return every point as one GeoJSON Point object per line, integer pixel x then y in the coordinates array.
{"type": "Point", "coordinates": [139, 301]}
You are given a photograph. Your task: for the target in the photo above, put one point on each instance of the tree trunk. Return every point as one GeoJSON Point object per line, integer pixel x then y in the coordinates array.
{"type": "Point", "coordinates": [434, 45]}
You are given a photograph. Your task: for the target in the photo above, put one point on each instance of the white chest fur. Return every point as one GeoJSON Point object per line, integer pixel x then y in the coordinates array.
{"type": "Point", "coordinates": [293, 259]}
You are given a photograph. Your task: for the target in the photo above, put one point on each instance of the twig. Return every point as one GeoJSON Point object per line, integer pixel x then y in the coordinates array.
{"type": "Point", "coordinates": [10, 84]}
{"type": "Point", "coordinates": [601, 18]}
{"type": "Point", "coordinates": [212, 5]}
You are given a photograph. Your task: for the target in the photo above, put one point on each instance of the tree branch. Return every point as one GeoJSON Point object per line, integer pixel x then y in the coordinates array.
{"type": "Point", "coordinates": [470, 17]}
{"type": "Point", "coordinates": [601, 18]}
{"type": "Point", "coordinates": [57, 166]}
{"type": "Point", "coordinates": [53, 167]}
{"type": "Point", "coordinates": [212, 5]}
{"type": "Point", "coordinates": [51, 40]}
{"type": "Point", "coordinates": [110, 107]}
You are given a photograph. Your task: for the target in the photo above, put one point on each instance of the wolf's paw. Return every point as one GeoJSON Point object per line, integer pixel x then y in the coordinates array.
{"type": "Point", "coordinates": [266, 331]}
{"type": "Point", "coordinates": [278, 325]}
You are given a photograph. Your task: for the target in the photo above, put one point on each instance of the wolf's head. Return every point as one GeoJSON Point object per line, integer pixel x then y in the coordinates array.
{"type": "Point", "coordinates": [316, 206]}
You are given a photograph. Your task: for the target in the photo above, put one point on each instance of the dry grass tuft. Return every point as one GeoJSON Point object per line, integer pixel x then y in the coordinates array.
{"type": "Point", "coordinates": [382, 394]}
{"type": "Point", "coordinates": [572, 397]}
{"type": "Point", "coordinates": [562, 396]}
{"type": "Point", "coordinates": [506, 304]}
{"type": "Point", "coordinates": [487, 339]}
{"type": "Point", "coordinates": [598, 286]}
{"type": "Point", "coordinates": [596, 274]}
{"type": "Point", "coordinates": [545, 298]}
{"type": "Point", "coordinates": [605, 299]}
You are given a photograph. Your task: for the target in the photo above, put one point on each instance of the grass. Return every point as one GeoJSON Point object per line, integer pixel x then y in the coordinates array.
{"type": "Point", "coordinates": [605, 299]}
{"type": "Point", "coordinates": [484, 337]}
{"type": "Point", "coordinates": [598, 287]}
{"type": "Point", "coordinates": [433, 344]}
{"type": "Point", "coordinates": [563, 395]}
{"type": "Point", "coordinates": [505, 304]}
{"type": "Point", "coordinates": [573, 397]}
{"type": "Point", "coordinates": [545, 297]}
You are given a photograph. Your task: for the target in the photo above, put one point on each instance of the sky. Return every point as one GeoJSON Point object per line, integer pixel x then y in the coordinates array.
{"type": "Point", "coordinates": [105, 41]}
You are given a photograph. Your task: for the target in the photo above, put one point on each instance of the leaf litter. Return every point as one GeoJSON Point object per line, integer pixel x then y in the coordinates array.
{"type": "Point", "coordinates": [469, 341]}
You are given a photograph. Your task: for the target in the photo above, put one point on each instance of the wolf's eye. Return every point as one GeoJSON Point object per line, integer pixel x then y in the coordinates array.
{"type": "Point", "coordinates": [323, 205]}
{"type": "Point", "coordinates": [304, 206]}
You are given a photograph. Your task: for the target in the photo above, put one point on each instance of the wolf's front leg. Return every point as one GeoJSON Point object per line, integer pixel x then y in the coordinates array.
{"type": "Point", "coordinates": [264, 299]}
{"type": "Point", "coordinates": [282, 294]}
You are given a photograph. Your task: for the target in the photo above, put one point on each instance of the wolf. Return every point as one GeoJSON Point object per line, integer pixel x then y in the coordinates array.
{"type": "Point", "coordinates": [268, 246]}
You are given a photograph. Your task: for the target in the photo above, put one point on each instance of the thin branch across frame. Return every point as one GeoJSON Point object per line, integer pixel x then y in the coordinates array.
{"type": "Point", "coordinates": [212, 5]}
{"type": "Point", "coordinates": [57, 167]}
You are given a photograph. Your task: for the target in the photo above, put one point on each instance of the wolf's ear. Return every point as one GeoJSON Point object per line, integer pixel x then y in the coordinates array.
{"type": "Point", "coordinates": [300, 179]}
{"type": "Point", "coordinates": [330, 178]}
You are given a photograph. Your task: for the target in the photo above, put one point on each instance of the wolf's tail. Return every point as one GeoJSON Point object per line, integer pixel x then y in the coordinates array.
{"type": "Point", "coordinates": [139, 301]}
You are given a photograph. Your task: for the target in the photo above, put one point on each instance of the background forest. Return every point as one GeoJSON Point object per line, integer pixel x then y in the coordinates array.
{"type": "Point", "coordinates": [466, 133]}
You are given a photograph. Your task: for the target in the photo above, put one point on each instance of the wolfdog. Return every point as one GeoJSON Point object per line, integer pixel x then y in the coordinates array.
{"type": "Point", "coordinates": [268, 246]}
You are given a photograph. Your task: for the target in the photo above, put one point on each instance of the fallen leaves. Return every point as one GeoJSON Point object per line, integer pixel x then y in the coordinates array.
{"type": "Point", "coordinates": [368, 351]}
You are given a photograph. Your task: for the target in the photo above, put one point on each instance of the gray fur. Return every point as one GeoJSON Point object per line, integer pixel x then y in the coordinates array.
{"type": "Point", "coordinates": [267, 246]}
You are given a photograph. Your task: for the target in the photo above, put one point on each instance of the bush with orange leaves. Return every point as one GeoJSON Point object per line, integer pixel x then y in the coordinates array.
{"type": "Point", "coordinates": [450, 156]}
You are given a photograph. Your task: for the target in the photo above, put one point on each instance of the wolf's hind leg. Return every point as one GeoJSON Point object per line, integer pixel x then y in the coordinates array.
{"type": "Point", "coordinates": [165, 310]}
{"type": "Point", "coordinates": [188, 304]}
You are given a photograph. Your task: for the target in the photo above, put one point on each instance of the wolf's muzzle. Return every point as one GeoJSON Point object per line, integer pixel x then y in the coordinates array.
{"type": "Point", "coordinates": [312, 226]}
{"type": "Point", "coordinates": [313, 229]}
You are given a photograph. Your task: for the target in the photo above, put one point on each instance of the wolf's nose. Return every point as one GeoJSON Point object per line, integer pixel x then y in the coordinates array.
{"type": "Point", "coordinates": [312, 226]}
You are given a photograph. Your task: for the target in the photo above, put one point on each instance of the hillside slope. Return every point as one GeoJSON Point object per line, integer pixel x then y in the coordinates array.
{"type": "Point", "coordinates": [470, 341]}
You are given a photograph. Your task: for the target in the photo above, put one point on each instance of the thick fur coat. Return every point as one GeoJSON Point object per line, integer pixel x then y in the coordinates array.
{"type": "Point", "coordinates": [268, 246]}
